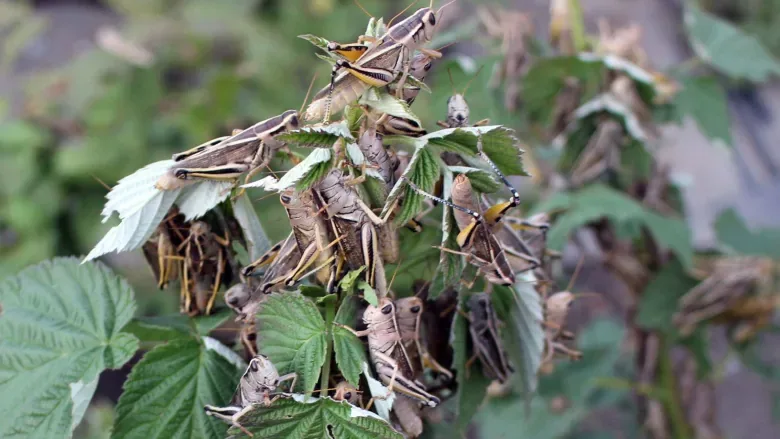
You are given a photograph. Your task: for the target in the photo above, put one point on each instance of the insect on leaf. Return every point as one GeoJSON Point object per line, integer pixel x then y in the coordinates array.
{"type": "Point", "coordinates": [313, 418]}
{"type": "Point", "coordinates": [498, 142]}
{"type": "Point", "coordinates": [472, 384]}
{"type": "Point", "coordinates": [481, 180]}
{"type": "Point", "coordinates": [368, 293]}
{"type": "Point", "coordinates": [317, 136]}
{"type": "Point", "coordinates": [292, 334]}
{"type": "Point", "coordinates": [384, 102]}
{"type": "Point", "coordinates": [61, 323]}
{"type": "Point", "coordinates": [313, 164]}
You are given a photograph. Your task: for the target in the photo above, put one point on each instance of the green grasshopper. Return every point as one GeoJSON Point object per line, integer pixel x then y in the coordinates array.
{"type": "Point", "coordinates": [388, 354]}
{"type": "Point", "coordinates": [259, 382]}
{"type": "Point", "coordinates": [379, 65]}
{"type": "Point", "coordinates": [245, 152]}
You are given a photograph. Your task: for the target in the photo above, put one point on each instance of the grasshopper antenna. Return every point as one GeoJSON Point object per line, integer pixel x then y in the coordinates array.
{"type": "Point", "coordinates": [468, 84]}
{"type": "Point", "coordinates": [475, 215]}
{"type": "Point", "coordinates": [442, 7]}
{"type": "Point", "coordinates": [392, 279]}
{"type": "Point", "coordinates": [363, 9]}
{"type": "Point", "coordinates": [306, 98]}
{"type": "Point", "coordinates": [102, 183]}
{"type": "Point", "coordinates": [452, 83]}
{"type": "Point", "coordinates": [576, 273]}
{"type": "Point", "coordinates": [389, 23]}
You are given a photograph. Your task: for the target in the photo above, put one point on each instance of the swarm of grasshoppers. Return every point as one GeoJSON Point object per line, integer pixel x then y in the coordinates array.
{"type": "Point", "coordinates": [336, 229]}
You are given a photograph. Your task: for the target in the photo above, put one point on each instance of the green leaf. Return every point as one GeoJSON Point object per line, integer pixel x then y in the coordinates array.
{"type": "Point", "coordinates": [319, 136]}
{"type": "Point", "coordinates": [547, 77]}
{"type": "Point", "coordinates": [524, 335]}
{"type": "Point", "coordinates": [704, 99]}
{"type": "Point", "coordinates": [734, 234]}
{"type": "Point", "coordinates": [659, 301]}
{"type": "Point", "coordinates": [350, 352]}
{"type": "Point", "coordinates": [481, 180]}
{"type": "Point", "coordinates": [60, 323]}
{"type": "Point", "coordinates": [166, 391]}
{"type": "Point", "coordinates": [607, 103]}
{"type": "Point", "coordinates": [727, 48]}
{"type": "Point", "coordinates": [423, 171]}
{"type": "Point", "coordinates": [319, 42]}
{"type": "Point", "coordinates": [305, 171]}
{"type": "Point", "coordinates": [369, 295]}
{"type": "Point", "coordinates": [450, 265]}
{"type": "Point", "coordinates": [292, 334]}
{"type": "Point", "coordinates": [316, 418]}
{"type": "Point", "coordinates": [348, 282]}
{"type": "Point", "coordinates": [253, 231]}
{"type": "Point", "coordinates": [498, 142]}
{"type": "Point", "coordinates": [598, 201]}
{"type": "Point", "coordinates": [383, 102]}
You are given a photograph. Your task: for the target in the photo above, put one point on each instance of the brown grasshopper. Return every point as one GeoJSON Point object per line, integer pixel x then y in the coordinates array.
{"type": "Point", "coordinates": [408, 315]}
{"type": "Point", "coordinates": [740, 290]}
{"type": "Point", "coordinates": [485, 338]}
{"type": "Point", "coordinates": [388, 354]}
{"type": "Point", "coordinates": [309, 237]}
{"type": "Point", "coordinates": [227, 158]}
{"type": "Point", "coordinates": [477, 238]}
{"type": "Point", "coordinates": [346, 392]}
{"type": "Point", "coordinates": [353, 221]}
{"type": "Point", "coordinates": [379, 65]}
{"type": "Point", "coordinates": [602, 153]}
{"type": "Point", "coordinates": [257, 385]}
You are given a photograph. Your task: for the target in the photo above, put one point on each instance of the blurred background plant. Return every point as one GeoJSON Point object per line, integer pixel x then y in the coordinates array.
{"type": "Point", "coordinates": [169, 74]}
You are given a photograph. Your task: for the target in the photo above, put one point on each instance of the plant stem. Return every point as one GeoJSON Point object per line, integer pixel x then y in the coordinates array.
{"type": "Point", "coordinates": [330, 315]}
{"type": "Point", "coordinates": [668, 382]}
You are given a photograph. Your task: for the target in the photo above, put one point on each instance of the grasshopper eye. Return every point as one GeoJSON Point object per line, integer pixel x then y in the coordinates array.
{"type": "Point", "coordinates": [285, 199]}
{"type": "Point", "coordinates": [387, 309]}
{"type": "Point", "coordinates": [348, 395]}
{"type": "Point", "coordinates": [431, 19]}
{"type": "Point", "coordinates": [415, 309]}
{"type": "Point", "coordinates": [427, 66]}
{"type": "Point", "coordinates": [332, 46]}
{"type": "Point", "coordinates": [253, 366]}
{"type": "Point", "coordinates": [233, 301]}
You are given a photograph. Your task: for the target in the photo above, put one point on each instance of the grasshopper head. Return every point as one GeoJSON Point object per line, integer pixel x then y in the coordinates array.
{"type": "Point", "coordinates": [291, 119]}
{"type": "Point", "coordinates": [409, 306]}
{"type": "Point", "coordinates": [381, 313]}
{"type": "Point", "coordinates": [457, 111]}
{"type": "Point", "coordinates": [261, 372]}
{"type": "Point", "coordinates": [237, 296]}
{"type": "Point", "coordinates": [346, 392]}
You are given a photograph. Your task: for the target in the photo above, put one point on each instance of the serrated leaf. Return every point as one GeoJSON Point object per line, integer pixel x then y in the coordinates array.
{"type": "Point", "coordinates": [133, 192]}
{"type": "Point", "coordinates": [327, 59]}
{"type": "Point", "coordinates": [317, 136]}
{"type": "Point", "coordinates": [450, 265]}
{"type": "Point", "coordinates": [173, 327]}
{"type": "Point", "coordinates": [734, 234]}
{"type": "Point", "coordinates": [252, 229]}
{"type": "Point", "coordinates": [598, 201]}
{"type": "Point", "coordinates": [369, 294]}
{"type": "Point", "coordinates": [383, 102]}
{"type": "Point", "coordinates": [704, 99]}
{"type": "Point", "coordinates": [727, 48]}
{"type": "Point", "coordinates": [644, 81]}
{"type": "Point", "coordinates": [292, 334]}
{"type": "Point", "coordinates": [60, 323]}
{"type": "Point", "coordinates": [423, 171]}
{"type": "Point", "coordinates": [313, 418]}
{"type": "Point", "coordinates": [498, 142]}
{"type": "Point", "coordinates": [311, 165]}
{"type": "Point", "coordinates": [166, 391]}
{"type": "Point", "coordinates": [521, 309]}
{"type": "Point", "coordinates": [659, 301]}
{"type": "Point", "coordinates": [135, 229]}
{"type": "Point", "coordinates": [350, 352]}
{"type": "Point", "coordinates": [197, 199]}
{"type": "Point", "coordinates": [481, 180]}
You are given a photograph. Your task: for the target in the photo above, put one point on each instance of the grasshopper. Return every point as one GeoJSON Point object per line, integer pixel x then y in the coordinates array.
{"type": "Point", "coordinates": [408, 315]}
{"type": "Point", "coordinates": [259, 382]}
{"type": "Point", "coordinates": [353, 221]}
{"type": "Point", "coordinates": [388, 354]}
{"type": "Point", "coordinates": [346, 392]}
{"type": "Point", "coordinates": [485, 338]}
{"type": "Point", "coordinates": [739, 290]}
{"type": "Point", "coordinates": [602, 153]}
{"type": "Point", "coordinates": [245, 151]}
{"type": "Point", "coordinates": [379, 65]}
{"type": "Point", "coordinates": [458, 109]}
{"type": "Point", "coordinates": [477, 238]}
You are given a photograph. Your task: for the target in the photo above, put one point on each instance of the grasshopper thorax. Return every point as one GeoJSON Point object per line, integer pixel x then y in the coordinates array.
{"type": "Point", "coordinates": [261, 372]}
{"type": "Point", "coordinates": [382, 313]}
